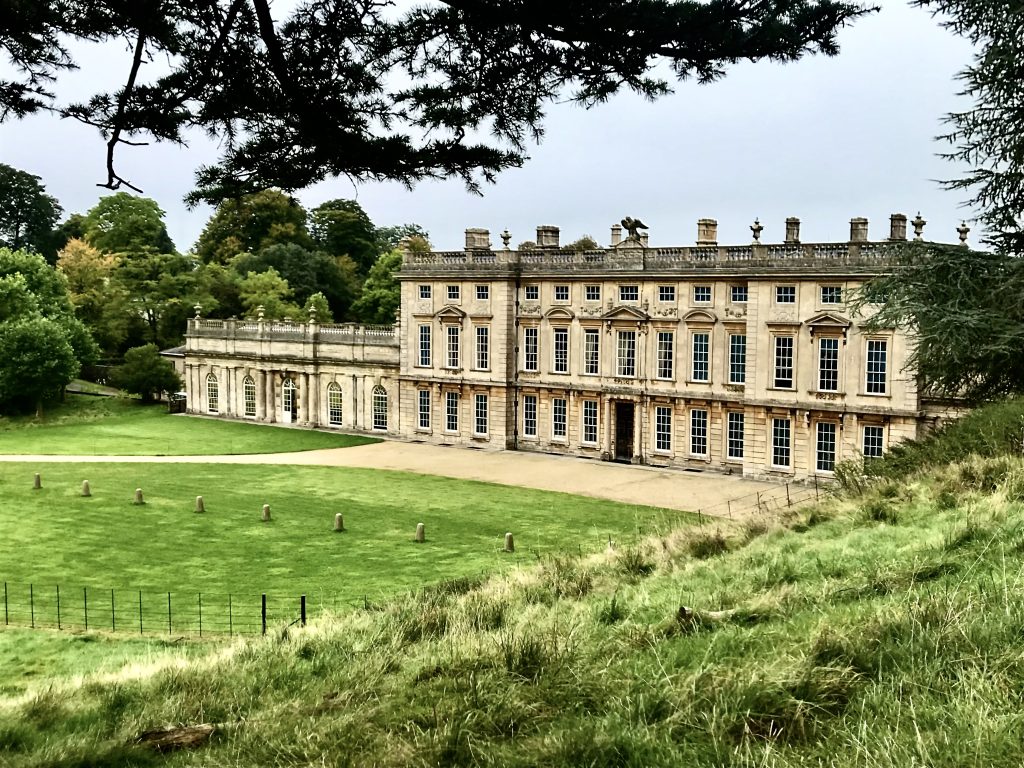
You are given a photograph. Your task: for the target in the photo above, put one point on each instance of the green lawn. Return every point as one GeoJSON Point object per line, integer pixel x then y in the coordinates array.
{"type": "Point", "coordinates": [55, 537]}
{"type": "Point", "coordinates": [119, 426]}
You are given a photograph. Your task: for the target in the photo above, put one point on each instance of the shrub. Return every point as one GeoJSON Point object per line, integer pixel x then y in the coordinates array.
{"type": "Point", "coordinates": [707, 545]}
{"type": "Point", "coordinates": [634, 563]}
{"type": "Point", "coordinates": [879, 511]}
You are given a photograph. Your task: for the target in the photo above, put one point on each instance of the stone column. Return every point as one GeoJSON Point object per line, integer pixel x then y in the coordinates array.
{"type": "Point", "coordinates": [229, 391]}
{"type": "Point", "coordinates": [314, 400]}
{"type": "Point", "coordinates": [638, 430]}
{"type": "Point", "coordinates": [304, 401]}
{"type": "Point", "coordinates": [261, 395]}
{"type": "Point", "coordinates": [606, 429]}
{"type": "Point", "coordinates": [272, 396]}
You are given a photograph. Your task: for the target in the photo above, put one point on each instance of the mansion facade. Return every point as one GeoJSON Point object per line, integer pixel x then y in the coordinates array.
{"type": "Point", "coordinates": [743, 359]}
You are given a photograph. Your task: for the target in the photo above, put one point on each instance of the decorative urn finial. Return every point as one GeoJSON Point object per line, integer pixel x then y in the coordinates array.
{"type": "Point", "coordinates": [918, 223]}
{"type": "Point", "coordinates": [756, 228]}
{"type": "Point", "coordinates": [962, 230]}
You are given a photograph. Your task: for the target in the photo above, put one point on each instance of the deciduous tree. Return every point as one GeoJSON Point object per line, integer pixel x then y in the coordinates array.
{"type": "Point", "coordinates": [124, 223]}
{"type": "Point", "coordinates": [146, 373]}
{"type": "Point", "coordinates": [250, 223]}
{"type": "Point", "coordinates": [382, 292]}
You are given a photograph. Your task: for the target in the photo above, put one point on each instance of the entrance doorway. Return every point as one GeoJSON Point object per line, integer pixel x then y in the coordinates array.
{"type": "Point", "coordinates": [289, 404]}
{"type": "Point", "coordinates": [624, 415]}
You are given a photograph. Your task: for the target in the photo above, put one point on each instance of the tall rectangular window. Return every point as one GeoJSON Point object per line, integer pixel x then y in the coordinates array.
{"type": "Point", "coordinates": [530, 415]}
{"type": "Point", "coordinates": [873, 437]}
{"type": "Point", "coordinates": [483, 292]}
{"type": "Point", "coordinates": [876, 366]}
{"type": "Point", "coordinates": [702, 294]}
{"type": "Point", "coordinates": [590, 421]}
{"type": "Point", "coordinates": [425, 354]}
{"type": "Point", "coordinates": [826, 446]}
{"type": "Point", "coordinates": [212, 394]}
{"type": "Point", "coordinates": [454, 332]}
{"type": "Point", "coordinates": [626, 362]}
{"type": "Point", "coordinates": [561, 350]}
{"type": "Point", "coordinates": [699, 432]}
{"type": "Point", "coordinates": [558, 417]}
{"type": "Point", "coordinates": [734, 436]}
{"type": "Point", "coordinates": [780, 442]}
{"type": "Point", "coordinates": [737, 358]}
{"type": "Point", "coordinates": [739, 294]}
{"type": "Point", "coordinates": [483, 347]}
{"type": "Point", "coordinates": [424, 291]}
{"type": "Point", "coordinates": [629, 293]}
{"type": "Point", "coordinates": [249, 392]}
{"type": "Point", "coordinates": [561, 293]}
{"type": "Point", "coordinates": [783, 362]}
{"type": "Point", "coordinates": [785, 294]}
{"type": "Point", "coordinates": [831, 294]}
{"type": "Point", "coordinates": [593, 293]}
{"type": "Point", "coordinates": [700, 370]}
{"type": "Point", "coordinates": [666, 354]}
{"type": "Point", "coordinates": [480, 412]}
{"type": "Point", "coordinates": [662, 428]}
{"type": "Point", "coordinates": [828, 364]}
{"type": "Point", "coordinates": [531, 345]}
{"type": "Point", "coordinates": [334, 405]}
{"type": "Point", "coordinates": [591, 351]}
{"type": "Point", "coordinates": [424, 408]}
{"type": "Point", "coordinates": [451, 411]}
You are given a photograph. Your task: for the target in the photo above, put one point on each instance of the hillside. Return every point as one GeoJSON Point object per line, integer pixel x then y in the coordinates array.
{"type": "Point", "coordinates": [881, 628]}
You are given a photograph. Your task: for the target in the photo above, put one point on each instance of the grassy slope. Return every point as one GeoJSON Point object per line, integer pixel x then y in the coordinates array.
{"type": "Point", "coordinates": [117, 426]}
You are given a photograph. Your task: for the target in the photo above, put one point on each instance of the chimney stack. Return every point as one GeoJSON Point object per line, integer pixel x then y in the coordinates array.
{"type": "Point", "coordinates": [858, 230]}
{"type": "Point", "coordinates": [707, 232]}
{"type": "Point", "coordinates": [547, 236]}
{"type": "Point", "coordinates": [616, 234]}
{"type": "Point", "coordinates": [478, 239]}
{"type": "Point", "coordinates": [792, 230]}
{"type": "Point", "coordinates": [898, 227]}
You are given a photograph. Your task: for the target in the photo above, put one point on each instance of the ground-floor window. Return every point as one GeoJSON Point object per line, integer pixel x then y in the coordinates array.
{"type": "Point", "coordinates": [826, 446]}
{"type": "Point", "coordinates": [873, 437]}
{"type": "Point", "coordinates": [590, 421]}
{"type": "Point", "coordinates": [530, 415]}
{"type": "Point", "coordinates": [451, 411]}
{"type": "Point", "coordinates": [735, 435]}
{"type": "Point", "coordinates": [662, 428]}
{"type": "Point", "coordinates": [781, 433]}
{"type": "Point", "coordinates": [481, 413]}
{"type": "Point", "coordinates": [288, 403]}
{"type": "Point", "coordinates": [558, 420]}
{"type": "Point", "coordinates": [699, 432]}
{"type": "Point", "coordinates": [380, 408]}
{"type": "Point", "coordinates": [249, 395]}
{"type": "Point", "coordinates": [424, 408]}
{"type": "Point", "coordinates": [212, 394]}
{"type": "Point", "coordinates": [334, 404]}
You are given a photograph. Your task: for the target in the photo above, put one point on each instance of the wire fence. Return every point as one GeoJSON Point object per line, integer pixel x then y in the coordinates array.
{"type": "Point", "coordinates": [777, 500]}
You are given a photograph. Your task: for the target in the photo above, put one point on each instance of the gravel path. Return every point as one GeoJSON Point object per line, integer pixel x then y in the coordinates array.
{"type": "Point", "coordinates": [714, 494]}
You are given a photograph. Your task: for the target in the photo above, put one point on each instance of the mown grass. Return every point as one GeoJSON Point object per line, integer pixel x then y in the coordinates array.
{"type": "Point", "coordinates": [54, 536]}
{"type": "Point", "coordinates": [123, 427]}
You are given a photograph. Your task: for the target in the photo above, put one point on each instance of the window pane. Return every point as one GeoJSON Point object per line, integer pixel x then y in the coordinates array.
{"type": "Point", "coordinates": [530, 415]}
{"type": "Point", "coordinates": [701, 346]}
{"type": "Point", "coordinates": [629, 293]}
{"type": "Point", "coordinates": [831, 294]}
{"type": "Point", "coordinates": [699, 432]}
{"type": "Point", "coordinates": [483, 292]}
{"type": "Point", "coordinates": [784, 361]}
{"type": "Point", "coordinates": [483, 339]}
{"type": "Point", "coordinates": [702, 294]}
{"type": "Point", "coordinates": [663, 428]}
{"type": "Point", "coordinates": [591, 351]}
{"type": "Point", "coordinates": [453, 346]}
{"type": "Point", "coordinates": [561, 350]}
{"type": "Point", "coordinates": [593, 293]}
{"type": "Point", "coordinates": [531, 293]}
{"type": "Point", "coordinates": [826, 447]}
{"type": "Point", "coordinates": [785, 294]}
{"type": "Point", "coordinates": [876, 366]}
{"type": "Point", "coordinates": [780, 442]}
{"type": "Point", "coordinates": [590, 421]}
{"type": "Point", "coordinates": [480, 423]}
{"type": "Point", "coordinates": [739, 294]}
{"type": "Point", "coordinates": [530, 349]}
{"type": "Point", "coordinates": [451, 411]}
{"type": "Point", "coordinates": [666, 353]}
{"type": "Point", "coordinates": [558, 420]}
{"type": "Point", "coordinates": [249, 390]}
{"type": "Point", "coordinates": [873, 442]}
{"type": "Point", "coordinates": [424, 408]}
{"type": "Point", "coordinates": [735, 436]}
{"type": "Point", "coordinates": [334, 410]}
{"type": "Point", "coordinates": [561, 293]}
{"type": "Point", "coordinates": [737, 358]}
{"type": "Point", "coordinates": [425, 354]}
{"type": "Point", "coordinates": [627, 353]}
{"type": "Point", "coordinates": [380, 408]}
{"type": "Point", "coordinates": [666, 293]}
{"type": "Point", "coordinates": [828, 365]}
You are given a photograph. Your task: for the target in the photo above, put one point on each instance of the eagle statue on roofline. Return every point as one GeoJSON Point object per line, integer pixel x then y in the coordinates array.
{"type": "Point", "coordinates": [632, 227]}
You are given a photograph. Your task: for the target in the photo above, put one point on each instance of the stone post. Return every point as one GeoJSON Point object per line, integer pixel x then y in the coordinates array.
{"type": "Point", "coordinates": [266, 513]}
{"type": "Point", "coordinates": [200, 506]}
{"type": "Point", "coordinates": [510, 545]}
{"type": "Point", "coordinates": [792, 231]}
{"type": "Point", "coordinates": [339, 523]}
{"type": "Point", "coordinates": [138, 497]}
{"type": "Point", "coordinates": [86, 491]}
{"type": "Point", "coordinates": [421, 535]}
{"type": "Point", "coordinates": [37, 482]}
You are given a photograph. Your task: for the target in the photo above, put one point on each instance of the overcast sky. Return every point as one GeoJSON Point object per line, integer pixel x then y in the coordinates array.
{"type": "Point", "coordinates": [823, 139]}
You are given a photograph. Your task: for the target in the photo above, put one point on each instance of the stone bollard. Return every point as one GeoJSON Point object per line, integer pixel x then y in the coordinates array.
{"type": "Point", "coordinates": [510, 546]}
{"type": "Point", "coordinates": [266, 513]}
{"type": "Point", "coordinates": [421, 534]}
{"type": "Point", "coordinates": [200, 506]}
{"type": "Point", "coordinates": [138, 497]}
{"type": "Point", "coordinates": [37, 482]}
{"type": "Point", "coordinates": [339, 523]}
{"type": "Point", "coordinates": [86, 491]}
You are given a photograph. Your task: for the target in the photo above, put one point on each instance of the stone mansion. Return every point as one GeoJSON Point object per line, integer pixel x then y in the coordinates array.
{"type": "Point", "coordinates": [741, 358]}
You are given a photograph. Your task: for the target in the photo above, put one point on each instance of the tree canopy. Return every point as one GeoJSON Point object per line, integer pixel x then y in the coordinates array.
{"type": "Point", "coordinates": [27, 213]}
{"type": "Point", "coordinates": [347, 87]}
{"type": "Point", "coordinates": [124, 223]}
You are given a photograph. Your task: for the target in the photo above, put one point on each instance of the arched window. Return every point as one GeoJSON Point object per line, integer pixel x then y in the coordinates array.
{"type": "Point", "coordinates": [380, 408]}
{"type": "Point", "coordinates": [334, 404]}
{"type": "Point", "coordinates": [249, 391]}
{"type": "Point", "coordinates": [289, 403]}
{"type": "Point", "coordinates": [212, 394]}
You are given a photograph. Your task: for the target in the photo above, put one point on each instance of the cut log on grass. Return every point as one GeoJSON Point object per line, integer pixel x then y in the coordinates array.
{"type": "Point", "coordinates": [688, 620]}
{"type": "Point", "coordinates": [182, 737]}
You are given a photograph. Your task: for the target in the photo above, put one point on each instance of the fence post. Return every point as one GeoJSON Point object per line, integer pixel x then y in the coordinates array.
{"type": "Point", "coordinates": [85, 606]}
{"type": "Point", "coordinates": [758, 501]}
{"type": "Point", "coordinates": [302, 609]}
{"type": "Point", "coordinates": [200, 614]}
{"type": "Point", "coordinates": [58, 606]}
{"type": "Point", "coordinates": [140, 611]}
{"type": "Point", "coordinates": [7, 618]}
{"type": "Point", "coordinates": [32, 604]}
{"type": "Point", "coordinates": [230, 621]}
{"type": "Point", "coordinates": [113, 613]}
{"type": "Point", "coordinates": [263, 613]}
{"type": "Point", "coordinates": [168, 613]}
{"type": "Point", "coordinates": [789, 503]}
{"type": "Point", "coordinates": [815, 487]}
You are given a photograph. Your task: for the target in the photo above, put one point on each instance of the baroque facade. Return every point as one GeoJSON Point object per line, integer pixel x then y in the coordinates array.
{"type": "Point", "coordinates": [743, 359]}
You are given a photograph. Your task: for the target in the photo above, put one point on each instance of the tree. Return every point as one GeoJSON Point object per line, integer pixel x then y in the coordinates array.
{"type": "Point", "coordinates": [345, 87]}
{"type": "Point", "coordinates": [269, 291]}
{"type": "Point", "coordinates": [161, 290]}
{"type": "Point", "coordinates": [27, 213]}
{"type": "Point", "coordinates": [38, 362]}
{"type": "Point", "coordinates": [307, 272]}
{"type": "Point", "coordinates": [124, 223]}
{"type": "Point", "coordinates": [382, 292]}
{"type": "Point", "coordinates": [323, 310]}
{"type": "Point", "coordinates": [388, 238]}
{"type": "Point", "coordinates": [146, 374]}
{"type": "Point", "coordinates": [585, 243]}
{"type": "Point", "coordinates": [99, 300]}
{"type": "Point", "coordinates": [251, 223]}
{"type": "Point", "coordinates": [342, 228]}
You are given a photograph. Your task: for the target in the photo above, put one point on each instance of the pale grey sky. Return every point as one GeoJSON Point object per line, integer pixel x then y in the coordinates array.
{"type": "Point", "coordinates": [822, 139]}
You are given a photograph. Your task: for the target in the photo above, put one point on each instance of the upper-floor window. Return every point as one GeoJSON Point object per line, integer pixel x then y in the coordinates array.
{"type": "Point", "coordinates": [738, 294]}
{"type": "Point", "coordinates": [702, 294]}
{"type": "Point", "coordinates": [593, 293]}
{"type": "Point", "coordinates": [483, 347]}
{"type": "Point", "coordinates": [785, 294]}
{"type": "Point", "coordinates": [666, 293]}
{"type": "Point", "coordinates": [626, 362]}
{"type": "Point", "coordinates": [828, 364]}
{"type": "Point", "coordinates": [700, 370]}
{"type": "Point", "coordinates": [629, 293]}
{"type": "Point", "coordinates": [831, 294]}
{"type": "Point", "coordinates": [561, 293]}
{"type": "Point", "coordinates": [876, 366]}
{"type": "Point", "coordinates": [783, 378]}
{"type": "Point", "coordinates": [666, 354]}
{"type": "Point", "coordinates": [453, 293]}
{"type": "Point", "coordinates": [737, 358]}
{"type": "Point", "coordinates": [531, 293]}
{"type": "Point", "coordinates": [424, 352]}
{"type": "Point", "coordinates": [561, 350]}
{"type": "Point", "coordinates": [483, 292]}
{"type": "Point", "coordinates": [531, 348]}
{"type": "Point", "coordinates": [454, 333]}
{"type": "Point", "coordinates": [591, 351]}
{"type": "Point", "coordinates": [424, 291]}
